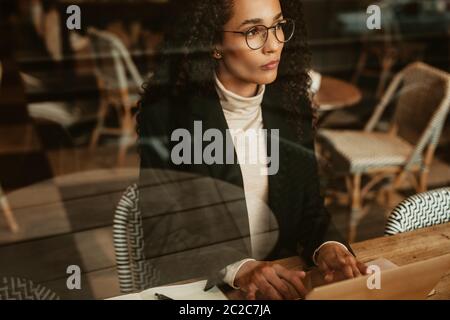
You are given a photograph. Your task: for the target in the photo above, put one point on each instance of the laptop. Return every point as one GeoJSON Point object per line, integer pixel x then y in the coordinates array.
{"type": "Point", "coordinates": [414, 281]}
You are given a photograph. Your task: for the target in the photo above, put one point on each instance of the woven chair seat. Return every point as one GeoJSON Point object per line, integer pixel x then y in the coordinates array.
{"type": "Point", "coordinates": [358, 152]}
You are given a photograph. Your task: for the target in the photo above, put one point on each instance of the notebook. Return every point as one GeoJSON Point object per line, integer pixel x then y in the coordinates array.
{"type": "Point", "coordinates": [190, 291]}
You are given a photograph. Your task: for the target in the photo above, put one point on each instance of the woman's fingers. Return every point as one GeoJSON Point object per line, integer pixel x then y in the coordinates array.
{"type": "Point", "coordinates": [361, 267]}
{"type": "Point", "coordinates": [295, 295]}
{"type": "Point", "coordinates": [355, 270]}
{"type": "Point", "coordinates": [326, 271]}
{"type": "Point", "coordinates": [299, 286]}
{"type": "Point", "coordinates": [251, 291]}
{"type": "Point", "coordinates": [273, 278]}
{"type": "Point", "coordinates": [323, 266]}
{"type": "Point", "coordinates": [266, 289]}
{"type": "Point", "coordinates": [343, 262]}
{"type": "Point", "coordinates": [294, 278]}
{"type": "Point", "coordinates": [336, 259]}
{"type": "Point", "coordinates": [347, 270]}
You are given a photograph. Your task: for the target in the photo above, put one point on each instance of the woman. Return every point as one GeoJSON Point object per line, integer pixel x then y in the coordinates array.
{"type": "Point", "coordinates": [244, 69]}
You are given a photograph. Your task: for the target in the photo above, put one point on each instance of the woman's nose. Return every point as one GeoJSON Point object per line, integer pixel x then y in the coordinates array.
{"type": "Point", "coordinates": [272, 43]}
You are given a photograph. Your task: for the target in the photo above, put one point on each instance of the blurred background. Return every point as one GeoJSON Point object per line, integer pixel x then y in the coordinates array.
{"type": "Point", "coordinates": [67, 100]}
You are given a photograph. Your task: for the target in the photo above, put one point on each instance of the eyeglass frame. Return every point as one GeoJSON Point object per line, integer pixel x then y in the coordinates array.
{"type": "Point", "coordinates": [245, 33]}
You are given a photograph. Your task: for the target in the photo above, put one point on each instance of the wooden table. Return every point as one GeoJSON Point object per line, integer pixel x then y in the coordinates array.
{"type": "Point", "coordinates": [401, 249]}
{"type": "Point", "coordinates": [336, 94]}
{"type": "Point", "coordinates": [70, 218]}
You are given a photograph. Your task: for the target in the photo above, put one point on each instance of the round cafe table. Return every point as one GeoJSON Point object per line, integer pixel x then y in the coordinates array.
{"type": "Point", "coordinates": [335, 94]}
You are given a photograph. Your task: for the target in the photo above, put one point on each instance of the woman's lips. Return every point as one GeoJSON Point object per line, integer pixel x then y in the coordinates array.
{"type": "Point", "coordinates": [271, 65]}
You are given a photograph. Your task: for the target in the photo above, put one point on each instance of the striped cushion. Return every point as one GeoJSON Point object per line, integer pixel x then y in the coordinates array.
{"type": "Point", "coordinates": [12, 288]}
{"type": "Point", "coordinates": [419, 211]}
{"type": "Point", "coordinates": [135, 272]}
{"type": "Point", "coordinates": [358, 151]}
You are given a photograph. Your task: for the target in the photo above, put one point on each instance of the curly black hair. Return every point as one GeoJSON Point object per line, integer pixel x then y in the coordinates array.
{"type": "Point", "coordinates": [185, 57]}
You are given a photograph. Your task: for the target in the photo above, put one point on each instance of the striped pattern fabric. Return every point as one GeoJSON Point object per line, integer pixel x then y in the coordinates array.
{"type": "Point", "coordinates": [134, 271]}
{"type": "Point", "coordinates": [12, 288]}
{"type": "Point", "coordinates": [419, 211]}
{"type": "Point", "coordinates": [360, 151]}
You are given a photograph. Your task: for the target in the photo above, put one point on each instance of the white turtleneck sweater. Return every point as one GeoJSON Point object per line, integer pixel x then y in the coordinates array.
{"type": "Point", "coordinates": [244, 119]}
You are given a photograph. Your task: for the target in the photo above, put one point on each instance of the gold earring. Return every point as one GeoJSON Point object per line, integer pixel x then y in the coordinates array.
{"type": "Point", "coordinates": [217, 54]}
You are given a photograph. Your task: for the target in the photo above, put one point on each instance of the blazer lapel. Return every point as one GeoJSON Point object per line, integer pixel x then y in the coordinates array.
{"type": "Point", "coordinates": [285, 180]}
{"type": "Point", "coordinates": [207, 109]}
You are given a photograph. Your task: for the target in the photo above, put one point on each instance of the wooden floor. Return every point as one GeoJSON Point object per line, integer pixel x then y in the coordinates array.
{"type": "Point", "coordinates": [58, 226]}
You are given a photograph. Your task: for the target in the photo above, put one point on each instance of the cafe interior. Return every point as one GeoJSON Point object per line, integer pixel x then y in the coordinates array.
{"type": "Point", "coordinates": [69, 158]}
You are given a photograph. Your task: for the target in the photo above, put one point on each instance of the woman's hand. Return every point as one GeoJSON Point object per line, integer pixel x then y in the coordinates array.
{"type": "Point", "coordinates": [333, 259]}
{"type": "Point", "coordinates": [270, 281]}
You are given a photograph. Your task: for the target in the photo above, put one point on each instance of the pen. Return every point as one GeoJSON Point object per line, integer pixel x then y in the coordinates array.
{"type": "Point", "coordinates": [162, 297]}
{"type": "Point", "coordinates": [209, 285]}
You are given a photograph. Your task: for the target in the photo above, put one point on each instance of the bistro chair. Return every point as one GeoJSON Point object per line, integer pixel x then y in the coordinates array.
{"type": "Point", "coordinates": [119, 82]}
{"type": "Point", "coordinates": [421, 96]}
{"type": "Point", "coordinates": [4, 203]}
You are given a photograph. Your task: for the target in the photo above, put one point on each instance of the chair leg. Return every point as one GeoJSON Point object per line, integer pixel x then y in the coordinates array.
{"type": "Point", "coordinates": [124, 144]}
{"type": "Point", "coordinates": [102, 112]}
{"type": "Point", "coordinates": [10, 220]}
{"type": "Point", "coordinates": [390, 191]}
{"type": "Point", "coordinates": [94, 139]}
{"type": "Point", "coordinates": [423, 180]}
{"type": "Point", "coordinates": [387, 64]}
{"type": "Point", "coordinates": [389, 197]}
{"type": "Point", "coordinates": [360, 66]}
{"type": "Point", "coordinates": [125, 141]}
{"type": "Point", "coordinates": [356, 207]}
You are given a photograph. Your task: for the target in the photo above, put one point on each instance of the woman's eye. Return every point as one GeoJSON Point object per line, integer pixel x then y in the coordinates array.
{"type": "Point", "coordinates": [253, 32]}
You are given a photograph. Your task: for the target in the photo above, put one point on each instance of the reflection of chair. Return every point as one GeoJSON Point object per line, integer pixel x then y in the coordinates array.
{"type": "Point", "coordinates": [407, 150]}
{"type": "Point", "coordinates": [4, 204]}
{"type": "Point", "coordinates": [419, 211]}
{"type": "Point", "coordinates": [113, 63]}
{"type": "Point", "coordinates": [135, 273]}
{"type": "Point", "coordinates": [22, 289]}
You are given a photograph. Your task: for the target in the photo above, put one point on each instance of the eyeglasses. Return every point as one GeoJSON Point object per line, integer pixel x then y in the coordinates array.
{"type": "Point", "coordinates": [256, 37]}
